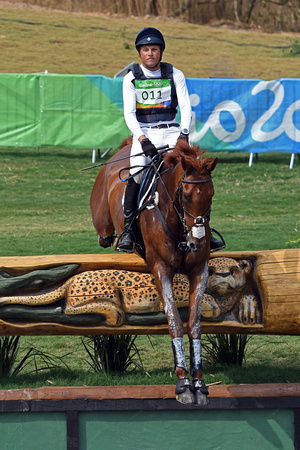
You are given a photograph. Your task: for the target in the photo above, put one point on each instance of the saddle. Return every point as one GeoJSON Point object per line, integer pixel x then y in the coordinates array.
{"type": "Point", "coordinates": [147, 195]}
{"type": "Point", "coordinates": [147, 198]}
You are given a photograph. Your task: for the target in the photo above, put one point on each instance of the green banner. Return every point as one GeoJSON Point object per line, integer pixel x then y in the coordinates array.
{"type": "Point", "coordinates": [20, 116]}
{"type": "Point", "coordinates": [75, 111]}
{"type": "Point", "coordinates": [86, 111]}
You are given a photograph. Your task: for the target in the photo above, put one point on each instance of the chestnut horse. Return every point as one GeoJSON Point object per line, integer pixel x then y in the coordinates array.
{"type": "Point", "coordinates": [176, 237]}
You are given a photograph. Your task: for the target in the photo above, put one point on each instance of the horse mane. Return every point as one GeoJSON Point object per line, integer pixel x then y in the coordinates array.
{"type": "Point", "coordinates": [191, 153]}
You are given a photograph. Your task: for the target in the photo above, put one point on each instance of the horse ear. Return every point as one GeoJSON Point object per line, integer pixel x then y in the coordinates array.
{"type": "Point", "coordinates": [185, 165]}
{"type": "Point", "coordinates": [211, 164]}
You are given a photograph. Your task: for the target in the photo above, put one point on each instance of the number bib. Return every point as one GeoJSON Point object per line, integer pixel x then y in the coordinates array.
{"type": "Point", "coordinates": [153, 93]}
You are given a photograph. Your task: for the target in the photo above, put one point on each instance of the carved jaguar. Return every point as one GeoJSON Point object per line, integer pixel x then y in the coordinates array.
{"type": "Point", "coordinates": [113, 293]}
{"type": "Point", "coordinates": [227, 284]}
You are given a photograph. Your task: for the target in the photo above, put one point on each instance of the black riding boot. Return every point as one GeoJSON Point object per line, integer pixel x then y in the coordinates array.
{"type": "Point", "coordinates": [126, 240]}
{"type": "Point", "coordinates": [215, 244]}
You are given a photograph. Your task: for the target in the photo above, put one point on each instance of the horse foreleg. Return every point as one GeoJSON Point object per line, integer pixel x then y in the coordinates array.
{"type": "Point", "coordinates": [197, 289]}
{"type": "Point", "coordinates": [184, 389]}
{"type": "Point", "coordinates": [165, 289]}
{"type": "Point", "coordinates": [199, 387]}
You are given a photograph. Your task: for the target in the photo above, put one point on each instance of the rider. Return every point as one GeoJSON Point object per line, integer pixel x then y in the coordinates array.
{"type": "Point", "coordinates": [151, 93]}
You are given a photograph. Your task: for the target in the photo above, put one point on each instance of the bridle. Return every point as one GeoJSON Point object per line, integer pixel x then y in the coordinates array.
{"type": "Point", "coordinates": [199, 221]}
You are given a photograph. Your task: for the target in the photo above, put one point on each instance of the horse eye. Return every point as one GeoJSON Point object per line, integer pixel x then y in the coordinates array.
{"type": "Point", "coordinates": [185, 196]}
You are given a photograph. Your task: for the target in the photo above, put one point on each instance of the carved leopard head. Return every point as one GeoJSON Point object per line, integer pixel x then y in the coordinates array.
{"type": "Point", "coordinates": [227, 275]}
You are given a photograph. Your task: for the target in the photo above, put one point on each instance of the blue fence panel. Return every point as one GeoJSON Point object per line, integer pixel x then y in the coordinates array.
{"type": "Point", "coordinates": [246, 115]}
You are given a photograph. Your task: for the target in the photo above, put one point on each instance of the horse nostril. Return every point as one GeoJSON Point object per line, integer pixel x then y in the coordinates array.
{"type": "Point", "coordinates": [192, 246]}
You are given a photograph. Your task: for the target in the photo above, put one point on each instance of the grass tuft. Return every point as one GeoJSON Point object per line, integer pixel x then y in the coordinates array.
{"type": "Point", "coordinates": [12, 364]}
{"type": "Point", "coordinates": [112, 353]}
{"type": "Point", "coordinates": [229, 349]}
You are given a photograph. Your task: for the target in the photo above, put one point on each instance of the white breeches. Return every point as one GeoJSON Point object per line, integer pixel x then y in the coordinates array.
{"type": "Point", "coordinates": [159, 137]}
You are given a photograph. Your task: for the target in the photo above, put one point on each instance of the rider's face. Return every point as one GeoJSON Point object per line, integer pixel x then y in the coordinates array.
{"type": "Point", "coordinates": [150, 56]}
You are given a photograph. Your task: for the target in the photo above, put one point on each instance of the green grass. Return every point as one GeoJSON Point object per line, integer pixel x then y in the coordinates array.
{"type": "Point", "coordinates": [45, 202]}
{"type": "Point", "coordinates": [256, 207]}
{"type": "Point", "coordinates": [269, 359]}
{"type": "Point", "coordinates": [36, 40]}
{"type": "Point", "coordinates": [47, 197]}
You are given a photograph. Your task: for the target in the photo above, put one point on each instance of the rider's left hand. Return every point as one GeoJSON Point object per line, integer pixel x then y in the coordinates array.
{"type": "Point", "coordinates": [148, 148]}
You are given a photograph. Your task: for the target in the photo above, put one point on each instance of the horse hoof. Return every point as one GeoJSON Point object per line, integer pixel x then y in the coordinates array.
{"type": "Point", "coordinates": [186, 397]}
{"type": "Point", "coordinates": [201, 399]}
{"type": "Point", "coordinates": [184, 391]}
{"type": "Point", "coordinates": [201, 392]}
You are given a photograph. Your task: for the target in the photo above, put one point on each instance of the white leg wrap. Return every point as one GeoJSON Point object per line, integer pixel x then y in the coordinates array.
{"type": "Point", "coordinates": [195, 355]}
{"type": "Point", "coordinates": [179, 353]}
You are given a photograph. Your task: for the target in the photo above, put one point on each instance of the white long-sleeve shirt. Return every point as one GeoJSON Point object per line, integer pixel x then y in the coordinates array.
{"type": "Point", "coordinates": [129, 100]}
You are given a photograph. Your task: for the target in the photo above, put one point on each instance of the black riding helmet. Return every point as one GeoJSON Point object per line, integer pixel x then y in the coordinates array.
{"type": "Point", "coordinates": [150, 36]}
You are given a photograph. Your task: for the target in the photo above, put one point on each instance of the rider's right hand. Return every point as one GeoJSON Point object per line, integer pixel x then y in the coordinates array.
{"type": "Point", "coordinates": [148, 148]}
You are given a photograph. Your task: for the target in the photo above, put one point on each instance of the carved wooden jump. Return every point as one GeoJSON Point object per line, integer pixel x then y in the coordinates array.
{"type": "Point", "coordinates": [247, 292]}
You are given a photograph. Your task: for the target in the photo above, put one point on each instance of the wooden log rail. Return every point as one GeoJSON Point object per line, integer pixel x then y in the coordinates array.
{"type": "Point", "coordinates": [148, 392]}
{"type": "Point", "coordinates": [251, 416]}
{"type": "Point", "coordinates": [273, 286]}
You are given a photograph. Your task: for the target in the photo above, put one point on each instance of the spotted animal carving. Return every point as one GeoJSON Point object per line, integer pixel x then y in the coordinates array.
{"type": "Point", "coordinates": [113, 293]}
{"type": "Point", "coordinates": [228, 286]}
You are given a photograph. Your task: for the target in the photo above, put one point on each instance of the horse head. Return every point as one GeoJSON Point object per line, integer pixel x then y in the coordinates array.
{"type": "Point", "coordinates": [195, 191]}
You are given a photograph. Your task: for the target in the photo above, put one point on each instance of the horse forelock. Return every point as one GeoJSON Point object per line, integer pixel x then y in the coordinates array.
{"type": "Point", "coordinates": [191, 153]}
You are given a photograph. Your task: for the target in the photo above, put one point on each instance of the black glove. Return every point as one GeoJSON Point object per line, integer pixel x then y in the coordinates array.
{"type": "Point", "coordinates": [148, 148]}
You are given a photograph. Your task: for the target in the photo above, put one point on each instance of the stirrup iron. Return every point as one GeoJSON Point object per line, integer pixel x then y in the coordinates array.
{"type": "Point", "coordinates": [220, 245]}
